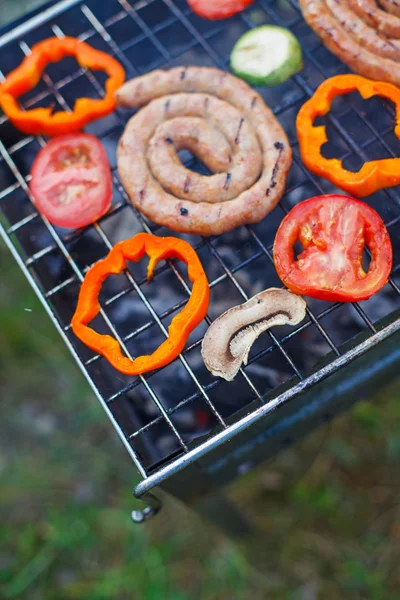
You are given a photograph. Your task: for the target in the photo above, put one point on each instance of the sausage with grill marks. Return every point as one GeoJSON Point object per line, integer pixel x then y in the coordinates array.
{"type": "Point", "coordinates": [192, 107]}
{"type": "Point", "coordinates": [362, 33]}
{"type": "Point", "coordinates": [391, 6]}
{"type": "Point", "coordinates": [338, 41]}
{"type": "Point", "coordinates": [371, 13]}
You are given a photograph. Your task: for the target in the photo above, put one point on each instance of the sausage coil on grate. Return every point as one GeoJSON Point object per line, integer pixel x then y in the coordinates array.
{"type": "Point", "coordinates": [363, 50]}
{"type": "Point", "coordinates": [369, 10]}
{"type": "Point", "coordinates": [391, 6]}
{"type": "Point", "coordinates": [363, 34]}
{"type": "Point", "coordinates": [224, 123]}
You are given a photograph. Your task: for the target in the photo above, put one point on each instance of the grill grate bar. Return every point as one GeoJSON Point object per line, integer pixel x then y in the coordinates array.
{"type": "Point", "coordinates": [9, 190]}
{"type": "Point", "coordinates": [68, 238]}
{"type": "Point", "coordinates": [392, 283]}
{"type": "Point", "coordinates": [107, 38]}
{"type": "Point", "coordinates": [193, 31]}
{"type": "Point", "coordinates": [364, 316]}
{"type": "Point", "coordinates": [26, 221]}
{"type": "Point", "coordinates": [146, 30]}
{"type": "Point", "coordinates": [60, 287]}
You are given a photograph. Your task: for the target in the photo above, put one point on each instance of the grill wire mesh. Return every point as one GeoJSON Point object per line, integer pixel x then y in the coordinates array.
{"type": "Point", "coordinates": [164, 414]}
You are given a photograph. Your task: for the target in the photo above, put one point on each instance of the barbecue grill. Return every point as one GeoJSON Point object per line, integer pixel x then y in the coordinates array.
{"type": "Point", "coordinates": [187, 432]}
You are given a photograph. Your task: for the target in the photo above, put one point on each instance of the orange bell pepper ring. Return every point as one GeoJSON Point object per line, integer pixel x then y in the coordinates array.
{"type": "Point", "coordinates": [182, 324]}
{"type": "Point", "coordinates": [373, 175]}
{"type": "Point", "coordinates": [27, 75]}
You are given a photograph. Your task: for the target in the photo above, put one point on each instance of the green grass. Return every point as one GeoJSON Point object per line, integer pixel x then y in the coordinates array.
{"type": "Point", "coordinates": [327, 511]}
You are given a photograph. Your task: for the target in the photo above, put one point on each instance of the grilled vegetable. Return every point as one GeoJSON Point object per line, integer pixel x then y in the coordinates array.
{"type": "Point", "coordinates": [27, 75]}
{"type": "Point", "coordinates": [373, 175]}
{"type": "Point", "coordinates": [228, 340]}
{"type": "Point", "coordinates": [218, 9]}
{"type": "Point", "coordinates": [334, 232]}
{"type": "Point", "coordinates": [266, 56]}
{"type": "Point", "coordinates": [71, 180]}
{"type": "Point", "coordinates": [157, 248]}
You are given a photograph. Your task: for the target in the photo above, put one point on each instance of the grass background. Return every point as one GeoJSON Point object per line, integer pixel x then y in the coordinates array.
{"type": "Point", "coordinates": [327, 511]}
{"type": "Point", "coordinates": [13, 9]}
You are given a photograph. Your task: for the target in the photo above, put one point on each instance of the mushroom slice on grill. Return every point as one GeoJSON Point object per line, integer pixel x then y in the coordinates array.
{"type": "Point", "coordinates": [228, 340]}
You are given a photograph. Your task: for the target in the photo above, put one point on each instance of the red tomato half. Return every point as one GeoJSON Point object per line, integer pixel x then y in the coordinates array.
{"type": "Point", "coordinates": [218, 9]}
{"type": "Point", "coordinates": [71, 180]}
{"type": "Point", "coordinates": [333, 230]}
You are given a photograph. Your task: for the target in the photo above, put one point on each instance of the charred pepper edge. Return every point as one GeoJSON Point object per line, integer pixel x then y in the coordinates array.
{"type": "Point", "coordinates": [28, 73]}
{"type": "Point", "coordinates": [181, 325]}
{"type": "Point", "coordinates": [374, 175]}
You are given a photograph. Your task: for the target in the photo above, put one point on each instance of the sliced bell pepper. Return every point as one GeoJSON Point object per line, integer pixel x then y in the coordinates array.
{"type": "Point", "coordinates": [373, 175]}
{"type": "Point", "coordinates": [182, 324]}
{"type": "Point", "coordinates": [42, 120]}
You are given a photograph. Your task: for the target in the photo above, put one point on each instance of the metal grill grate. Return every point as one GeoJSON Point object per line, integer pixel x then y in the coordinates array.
{"type": "Point", "coordinates": [178, 413]}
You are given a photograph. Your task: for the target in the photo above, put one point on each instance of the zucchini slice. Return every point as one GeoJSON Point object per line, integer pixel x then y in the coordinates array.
{"type": "Point", "coordinates": [266, 56]}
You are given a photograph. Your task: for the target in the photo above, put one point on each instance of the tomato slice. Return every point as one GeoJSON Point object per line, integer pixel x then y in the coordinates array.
{"type": "Point", "coordinates": [333, 230]}
{"type": "Point", "coordinates": [71, 180]}
{"type": "Point", "coordinates": [218, 9]}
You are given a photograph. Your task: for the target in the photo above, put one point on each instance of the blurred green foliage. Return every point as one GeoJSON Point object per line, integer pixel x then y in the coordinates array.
{"type": "Point", "coordinates": [13, 9]}
{"type": "Point", "coordinates": [326, 512]}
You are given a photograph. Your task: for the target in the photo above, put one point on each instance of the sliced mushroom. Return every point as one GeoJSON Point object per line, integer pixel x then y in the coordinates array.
{"type": "Point", "coordinates": [227, 342]}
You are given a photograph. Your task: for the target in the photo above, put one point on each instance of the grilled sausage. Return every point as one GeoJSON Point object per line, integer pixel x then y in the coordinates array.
{"type": "Point", "coordinates": [392, 6]}
{"type": "Point", "coordinates": [339, 42]}
{"type": "Point", "coordinates": [192, 107]}
{"type": "Point", "coordinates": [372, 14]}
{"type": "Point", "coordinates": [362, 33]}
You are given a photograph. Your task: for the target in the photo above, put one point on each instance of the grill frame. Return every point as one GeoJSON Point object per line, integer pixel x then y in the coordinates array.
{"type": "Point", "coordinates": [262, 407]}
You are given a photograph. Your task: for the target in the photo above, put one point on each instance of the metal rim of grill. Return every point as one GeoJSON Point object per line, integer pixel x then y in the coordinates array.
{"type": "Point", "coordinates": [76, 17]}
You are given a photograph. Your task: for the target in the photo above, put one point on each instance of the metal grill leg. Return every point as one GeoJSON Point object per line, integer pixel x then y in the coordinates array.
{"type": "Point", "coordinates": [154, 505]}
